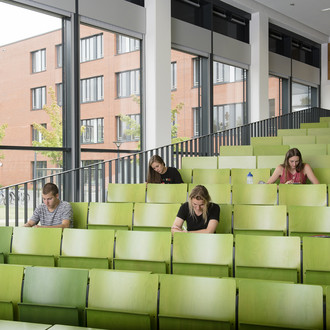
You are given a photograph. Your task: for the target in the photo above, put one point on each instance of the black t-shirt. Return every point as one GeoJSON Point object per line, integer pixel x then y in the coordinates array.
{"type": "Point", "coordinates": [197, 222]}
{"type": "Point", "coordinates": [172, 175]}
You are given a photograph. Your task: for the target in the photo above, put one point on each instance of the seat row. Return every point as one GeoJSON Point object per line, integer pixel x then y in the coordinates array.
{"type": "Point", "coordinates": [140, 300]}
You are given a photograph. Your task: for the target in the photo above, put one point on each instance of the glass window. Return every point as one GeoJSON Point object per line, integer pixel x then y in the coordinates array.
{"type": "Point", "coordinates": [128, 127]}
{"type": "Point", "coordinates": [301, 97]}
{"type": "Point", "coordinates": [92, 89]}
{"type": "Point", "coordinates": [36, 135]}
{"type": "Point", "coordinates": [275, 92]}
{"type": "Point", "coordinates": [59, 94]}
{"type": "Point", "coordinates": [93, 132]}
{"type": "Point", "coordinates": [128, 83]}
{"type": "Point", "coordinates": [59, 56]}
{"type": "Point", "coordinates": [38, 60]}
{"type": "Point", "coordinates": [173, 75]}
{"type": "Point", "coordinates": [197, 72]}
{"type": "Point", "coordinates": [227, 116]}
{"type": "Point", "coordinates": [38, 97]}
{"type": "Point", "coordinates": [39, 169]}
{"type": "Point", "coordinates": [91, 48]}
{"type": "Point", "coordinates": [197, 121]}
{"type": "Point", "coordinates": [92, 172]}
{"type": "Point", "coordinates": [126, 44]}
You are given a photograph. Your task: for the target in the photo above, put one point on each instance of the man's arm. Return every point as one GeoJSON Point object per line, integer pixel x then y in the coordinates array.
{"type": "Point", "coordinates": [64, 224]}
{"type": "Point", "coordinates": [30, 223]}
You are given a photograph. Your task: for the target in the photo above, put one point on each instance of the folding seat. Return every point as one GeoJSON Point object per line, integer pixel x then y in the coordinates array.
{"type": "Point", "coordinates": [127, 192]}
{"type": "Point", "coordinates": [203, 254]}
{"type": "Point", "coordinates": [191, 302]}
{"type": "Point", "coordinates": [237, 162]}
{"type": "Point", "coordinates": [266, 140]}
{"type": "Point", "coordinates": [271, 150]}
{"type": "Point", "coordinates": [310, 149]}
{"type": "Point", "coordinates": [238, 175]}
{"type": "Point", "coordinates": [35, 246]}
{"type": "Point", "coordinates": [309, 220]}
{"type": "Point", "coordinates": [124, 300]}
{"type": "Point", "coordinates": [267, 257]}
{"type": "Point", "coordinates": [269, 161]}
{"type": "Point", "coordinates": [83, 248]}
{"type": "Point", "coordinates": [236, 150]}
{"type": "Point", "coordinates": [316, 130]}
{"type": "Point", "coordinates": [11, 279]}
{"type": "Point", "coordinates": [313, 125]}
{"type": "Point", "coordinates": [219, 193]}
{"type": "Point", "coordinates": [204, 176]}
{"type": "Point", "coordinates": [155, 217]}
{"type": "Point", "coordinates": [323, 139]}
{"type": "Point", "coordinates": [296, 139]}
{"type": "Point", "coordinates": [292, 132]}
{"type": "Point", "coordinates": [263, 194]}
{"type": "Point", "coordinates": [327, 326]}
{"type": "Point", "coordinates": [167, 193]}
{"type": "Point", "coordinates": [141, 250]}
{"type": "Point", "coordinates": [317, 161]}
{"type": "Point", "coordinates": [260, 220]}
{"type": "Point", "coordinates": [80, 214]}
{"type": "Point", "coordinates": [225, 223]}
{"type": "Point", "coordinates": [110, 216]}
{"type": "Point", "coordinates": [5, 242]}
{"type": "Point", "coordinates": [14, 325]}
{"type": "Point", "coordinates": [186, 174]}
{"type": "Point", "coordinates": [322, 174]}
{"type": "Point", "coordinates": [199, 162]}
{"type": "Point", "coordinates": [324, 119]}
{"type": "Point", "coordinates": [273, 305]}
{"type": "Point", "coordinates": [54, 295]}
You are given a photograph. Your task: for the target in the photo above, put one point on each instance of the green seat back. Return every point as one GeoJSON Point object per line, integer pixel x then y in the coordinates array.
{"type": "Point", "coordinates": [126, 300]}
{"type": "Point", "coordinates": [254, 194]}
{"type": "Point", "coordinates": [296, 139]}
{"type": "Point", "coordinates": [322, 174]}
{"type": "Point", "coordinates": [203, 254]}
{"type": "Point", "coordinates": [167, 193]}
{"type": "Point", "coordinates": [324, 130]}
{"type": "Point", "coordinates": [267, 257]}
{"type": "Point", "coordinates": [313, 125]}
{"type": "Point", "coordinates": [143, 250]}
{"type": "Point", "coordinates": [291, 132]}
{"type": "Point", "coordinates": [272, 305]}
{"type": "Point", "coordinates": [225, 223]}
{"type": "Point", "coordinates": [238, 175]}
{"type": "Point", "coordinates": [199, 162]}
{"type": "Point", "coordinates": [324, 119]}
{"type": "Point", "coordinates": [269, 161]}
{"type": "Point", "coordinates": [186, 174]}
{"type": "Point", "coordinates": [260, 220]}
{"type": "Point", "coordinates": [302, 194]}
{"type": "Point", "coordinates": [317, 161]}
{"type": "Point", "coordinates": [323, 139]}
{"type": "Point", "coordinates": [80, 214]}
{"type": "Point", "coordinates": [14, 325]}
{"type": "Point", "coordinates": [203, 176]}
{"type": "Point", "coordinates": [83, 248]}
{"type": "Point", "coordinates": [150, 216]}
{"type": "Point", "coordinates": [310, 149]}
{"type": "Point", "coordinates": [327, 303]}
{"type": "Point", "coordinates": [271, 150]}
{"type": "Point", "coordinates": [54, 295]}
{"type": "Point", "coordinates": [110, 215]}
{"type": "Point", "coordinates": [5, 240]}
{"type": "Point", "coordinates": [189, 302]}
{"type": "Point", "coordinates": [11, 279]}
{"type": "Point", "coordinates": [220, 193]}
{"type": "Point", "coordinates": [237, 162]}
{"type": "Point", "coordinates": [127, 192]}
{"type": "Point", "coordinates": [266, 140]}
{"type": "Point", "coordinates": [236, 150]}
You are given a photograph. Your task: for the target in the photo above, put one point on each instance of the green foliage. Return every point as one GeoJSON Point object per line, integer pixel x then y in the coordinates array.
{"type": "Point", "coordinates": [2, 135]}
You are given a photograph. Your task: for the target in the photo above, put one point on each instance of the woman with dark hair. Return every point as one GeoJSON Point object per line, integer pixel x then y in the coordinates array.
{"type": "Point", "coordinates": [159, 173]}
{"type": "Point", "coordinates": [201, 215]}
{"type": "Point", "coordinates": [293, 170]}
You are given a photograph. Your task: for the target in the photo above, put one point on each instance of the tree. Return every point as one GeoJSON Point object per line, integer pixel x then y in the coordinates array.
{"type": "Point", "coordinates": [2, 135]}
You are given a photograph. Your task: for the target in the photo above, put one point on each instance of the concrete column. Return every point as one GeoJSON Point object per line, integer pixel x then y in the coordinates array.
{"type": "Point", "coordinates": [325, 81]}
{"type": "Point", "coordinates": [259, 70]}
{"type": "Point", "coordinates": [158, 73]}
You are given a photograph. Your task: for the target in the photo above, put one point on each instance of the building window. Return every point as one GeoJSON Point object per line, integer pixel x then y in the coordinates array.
{"type": "Point", "coordinates": [128, 83]}
{"type": "Point", "coordinates": [39, 169]}
{"type": "Point", "coordinates": [38, 60]}
{"type": "Point", "coordinates": [301, 97]}
{"type": "Point", "coordinates": [94, 129]}
{"type": "Point", "coordinates": [92, 89]}
{"type": "Point", "coordinates": [227, 116]}
{"type": "Point", "coordinates": [224, 73]}
{"type": "Point", "coordinates": [59, 56]}
{"type": "Point", "coordinates": [173, 75]}
{"type": "Point", "coordinates": [36, 135]}
{"type": "Point", "coordinates": [59, 94]}
{"type": "Point", "coordinates": [128, 128]}
{"type": "Point", "coordinates": [197, 75]}
{"type": "Point", "coordinates": [91, 48]}
{"type": "Point", "coordinates": [126, 44]}
{"type": "Point", "coordinates": [38, 97]}
{"type": "Point", "coordinates": [89, 175]}
{"type": "Point", "coordinates": [197, 121]}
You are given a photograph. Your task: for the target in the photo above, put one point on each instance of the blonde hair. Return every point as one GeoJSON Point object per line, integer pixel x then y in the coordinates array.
{"type": "Point", "coordinates": [153, 176]}
{"type": "Point", "coordinates": [201, 194]}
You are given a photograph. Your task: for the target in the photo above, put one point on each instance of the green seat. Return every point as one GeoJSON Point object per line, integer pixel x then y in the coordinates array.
{"type": "Point", "coordinates": [80, 214]}
{"type": "Point", "coordinates": [269, 161]}
{"type": "Point", "coordinates": [270, 150]}
{"type": "Point", "coordinates": [203, 176]}
{"type": "Point", "coordinates": [322, 174]}
{"type": "Point", "coordinates": [291, 132]}
{"type": "Point", "coordinates": [266, 140]}
{"type": "Point", "coordinates": [141, 250]}
{"type": "Point", "coordinates": [186, 174]}
{"type": "Point", "coordinates": [323, 139]}
{"type": "Point", "coordinates": [317, 161]}
{"type": "Point", "coordinates": [324, 119]}
{"type": "Point", "coordinates": [15, 325]}
{"type": "Point", "coordinates": [264, 194]}
{"type": "Point", "coordinates": [5, 242]}
{"type": "Point", "coordinates": [225, 223]}
{"type": "Point", "coordinates": [199, 162]}
{"type": "Point", "coordinates": [302, 194]}
{"type": "Point", "coordinates": [110, 216]}
{"type": "Point", "coordinates": [189, 302]}
{"type": "Point", "coordinates": [327, 307]}
{"type": "Point", "coordinates": [167, 193]}
{"type": "Point", "coordinates": [310, 149]}
{"type": "Point", "coordinates": [313, 125]}
{"type": "Point", "coordinates": [316, 262]}
{"type": "Point", "coordinates": [260, 220]}
{"type": "Point", "coordinates": [11, 279]}
{"type": "Point", "coordinates": [35, 246]}
{"type": "Point", "coordinates": [319, 131]}
{"type": "Point", "coordinates": [236, 150]}
{"type": "Point", "coordinates": [127, 192]}
{"type": "Point", "coordinates": [237, 162]}
{"type": "Point", "coordinates": [272, 305]}
{"type": "Point", "coordinates": [309, 220]}
{"type": "Point", "coordinates": [202, 254]}
{"type": "Point", "coordinates": [238, 175]}
{"type": "Point", "coordinates": [296, 139]}
{"type": "Point", "coordinates": [124, 300]}
{"type": "Point", "coordinates": [267, 257]}
{"type": "Point", "coordinates": [83, 248]}
{"type": "Point", "coordinates": [54, 295]}
{"type": "Point", "coordinates": [154, 217]}
{"type": "Point", "coordinates": [220, 193]}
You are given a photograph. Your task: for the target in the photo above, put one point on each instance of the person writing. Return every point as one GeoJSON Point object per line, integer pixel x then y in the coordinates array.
{"type": "Point", "coordinates": [201, 215]}
{"type": "Point", "coordinates": [159, 173]}
{"type": "Point", "coordinates": [52, 212]}
{"type": "Point", "coordinates": [293, 170]}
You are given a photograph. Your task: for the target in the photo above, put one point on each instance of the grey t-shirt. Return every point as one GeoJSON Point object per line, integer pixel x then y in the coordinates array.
{"type": "Point", "coordinates": [46, 218]}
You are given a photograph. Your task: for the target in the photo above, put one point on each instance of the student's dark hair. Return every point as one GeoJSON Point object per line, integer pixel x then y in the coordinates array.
{"type": "Point", "coordinates": [50, 188]}
{"type": "Point", "coordinates": [153, 176]}
{"type": "Point", "coordinates": [201, 194]}
{"type": "Point", "coordinates": [291, 153]}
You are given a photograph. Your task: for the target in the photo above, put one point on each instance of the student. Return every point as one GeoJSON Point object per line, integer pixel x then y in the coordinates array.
{"type": "Point", "coordinates": [293, 170]}
{"type": "Point", "coordinates": [159, 173]}
{"type": "Point", "coordinates": [201, 215]}
{"type": "Point", "coordinates": [52, 212]}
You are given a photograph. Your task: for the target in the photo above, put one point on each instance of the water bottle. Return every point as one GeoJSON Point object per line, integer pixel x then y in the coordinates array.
{"type": "Point", "coordinates": [249, 178]}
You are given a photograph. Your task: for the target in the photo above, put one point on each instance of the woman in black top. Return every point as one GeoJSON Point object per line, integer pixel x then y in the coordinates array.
{"type": "Point", "coordinates": [201, 215]}
{"type": "Point", "coordinates": [159, 173]}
